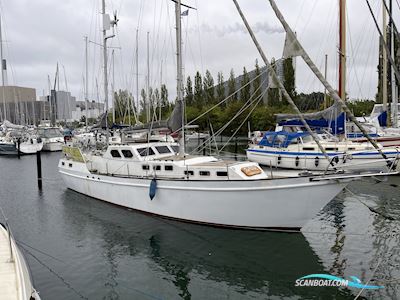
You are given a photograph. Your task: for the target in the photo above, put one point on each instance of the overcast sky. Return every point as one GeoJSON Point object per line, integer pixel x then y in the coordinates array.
{"type": "Point", "coordinates": [38, 34]}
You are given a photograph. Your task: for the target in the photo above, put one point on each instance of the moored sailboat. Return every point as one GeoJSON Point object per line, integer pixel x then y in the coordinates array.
{"type": "Point", "coordinates": [158, 178]}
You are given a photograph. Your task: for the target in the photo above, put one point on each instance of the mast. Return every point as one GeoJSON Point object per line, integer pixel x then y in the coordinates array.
{"type": "Point", "coordinates": [384, 59]}
{"type": "Point", "coordinates": [107, 23]}
{"type": "Point", "coordinates": [342, 49]}
{"type": "Point", "coordinates": [148, 82]}
{"type": "Point", "coordinates": [395, 120]}
{"type": "Point", "coordinates": [137, 72]}
{"type": "Point", "coordinates": [105, 66]}
{"type": "Point", "coordinates": [325, 75]}
{"type": "Point", "coordinates": [159, 96]}
{"type": "Point", "coordinates": [179, 97]}
{"type": "Point", "coordinates": [112, 87]}
{"type": "Point", "coordinates": [86, 82]}
{"type": "Point", "coordinates": [3, 73]}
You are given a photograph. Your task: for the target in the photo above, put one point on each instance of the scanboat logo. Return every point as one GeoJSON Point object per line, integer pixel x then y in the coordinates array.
{"type": "Point", "coordinates": [330, 280]}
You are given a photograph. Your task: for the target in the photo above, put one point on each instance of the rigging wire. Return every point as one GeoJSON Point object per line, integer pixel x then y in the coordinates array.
{"type": "Point", "coordinates": [246, 105]}
{"type": "Point", "coordinates": [199, 38]}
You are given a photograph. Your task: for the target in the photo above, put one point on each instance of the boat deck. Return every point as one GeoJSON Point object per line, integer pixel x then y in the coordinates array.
{"type": "Point", "coordinates": [8, 276]}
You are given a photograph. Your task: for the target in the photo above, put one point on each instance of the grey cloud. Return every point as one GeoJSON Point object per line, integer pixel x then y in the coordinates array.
{"type": "Point", "coordinates": [221, 31]}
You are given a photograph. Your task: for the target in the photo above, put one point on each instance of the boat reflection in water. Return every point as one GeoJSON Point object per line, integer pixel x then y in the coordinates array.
{"type": "Point", "coordinates": [358, 235]}
{"type": "Point", "coordinates": [153, 258]}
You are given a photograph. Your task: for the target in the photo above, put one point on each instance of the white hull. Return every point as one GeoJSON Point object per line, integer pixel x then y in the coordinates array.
{"type": "Point", "coordinates": [257, 204]}
{"type": "Point", "coordinates": [385, 141]}
{"type": "Point", "coordinates": [52, 146]}
{"type": "Point", "coordinates": [363, 161]}
{"type": "Point", "coordinates": [28, 148]}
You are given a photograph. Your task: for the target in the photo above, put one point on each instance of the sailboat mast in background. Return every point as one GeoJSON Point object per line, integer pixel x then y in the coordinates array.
{"type": "Point", "coordinates": [179, 99]}
{"type": "Point", "coordinates": [342, 49]}
{"type": "Point", "coordinates": [395, 121]}
{"type": "Point", "coordinates": [384, 59]}
{"type": "Point", "coordinates": [3, 72]}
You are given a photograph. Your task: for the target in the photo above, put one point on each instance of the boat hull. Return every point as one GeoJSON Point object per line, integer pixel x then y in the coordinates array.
{"type": "Point", "coordinates": [360, 161]}
{"type": "Point", "coordinates": [254, 204]}
{"type": "Point", "coordinates": [52, 146]}
{"type": "Point", "coordinates": [25, 148]}
{"type": "Point", "coordinates": [8, 149]}
{"type": "Point", "coordinates": [385, 141]}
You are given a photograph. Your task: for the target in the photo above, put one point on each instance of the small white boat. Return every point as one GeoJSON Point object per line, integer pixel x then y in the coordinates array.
{"type": "Point", "coordinates": [15, 278]}
{"type": "Point", "coordinates": [52, 137]}
{"type": "Point", "coordinates": [299, 151]}
{"type": "Point", "coordinates": [27, 144]}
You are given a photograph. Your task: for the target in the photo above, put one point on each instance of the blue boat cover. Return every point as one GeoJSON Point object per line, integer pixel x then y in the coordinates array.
{"type": "Point", "coordinates": [280, 139]}
{"type": "Point", "coordinates": [336, 126]}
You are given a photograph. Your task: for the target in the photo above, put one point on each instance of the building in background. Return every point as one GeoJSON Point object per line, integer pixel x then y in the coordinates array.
{"type": "Point", "coordinates": [21, 106]}
{"type": "Point", "coordinates": [95, 109]}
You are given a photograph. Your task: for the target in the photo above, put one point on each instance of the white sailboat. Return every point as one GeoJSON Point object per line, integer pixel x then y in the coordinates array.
{"type": "Point", "coordinates": [298, 151]}
{"type": "Point", "coordinates": [160, 179]}
{"type": "Point", "coordinates": [309, 151]}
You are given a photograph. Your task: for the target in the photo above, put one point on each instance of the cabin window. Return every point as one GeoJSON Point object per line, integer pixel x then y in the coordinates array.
{"type": "Point", "coordinates": [145, 167]}
{"type": "Point", "coordinates": [331, 149]}
{"type": "Point", "coordinates": [222, 173]}
{"type": "Point", "coordinates": [70, 165]}
{"type": "Point", "coordinates": [175, 148]}
{"type": "Point", "coordinates": [204, 173]}
{"type": "Point", "coordinates": [269, 138]}
{"type": "Point", "coordinates": [352, 148]}
{"type": "Point", "coordinates": [115, 153]}
{"type": "Point", "coordinates": [189, 173]}
{"type": "Point", "coordinates": [163, 149]}
{"type": "Point", "coordinates": [295, 141]}
{"type": "Point", "coordinates": [127, 153]}
{"type": "Point", "coordinates": [157, 167]}
{"type": "Point", "coordinates": [309, 148]}
{"type": "Point", "coordinates": [168, 168]}
{"type": "Point", "coordinates": [145, 151]}
{"type": "Point", "coordinates": [63, 163]}
{"type": "Point", "coordinates": [279, 140]}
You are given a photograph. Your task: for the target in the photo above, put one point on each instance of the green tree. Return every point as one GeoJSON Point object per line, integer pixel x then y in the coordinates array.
{"type": "Point", "coordinates": [220, 87]}
{"type": "Point", "coordinates": [189, 91]}
{"type": "Point", "coordinates": [165, 104]}
{"type": "Point", "coordinates": [208, 84]}
{"type": "Point", "coordinates": [122, 104]}
{"type": "Point", "coordinates": [198, 90]}
{"type": "Point", "coordinates": [232, 86]}
{"type": "Point", "coordinates": [245, 91]}
{"type": "Point", "coordinates": [289, 77]}
{"type": "Point", "coordinates": [256, 84]}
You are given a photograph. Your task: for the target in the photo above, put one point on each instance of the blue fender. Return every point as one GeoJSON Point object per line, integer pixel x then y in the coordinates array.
{"type": "Point", "coordinates": [153, 188]}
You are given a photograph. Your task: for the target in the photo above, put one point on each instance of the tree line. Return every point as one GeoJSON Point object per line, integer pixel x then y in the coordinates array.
{"type": "Point", "coordinates": [202, 92]}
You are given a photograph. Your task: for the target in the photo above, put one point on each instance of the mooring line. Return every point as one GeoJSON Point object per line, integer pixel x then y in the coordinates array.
{"type": "Point", "coordinates": [371, 208]}
{"type": "Point", "coordinates": [68, 285]}
{"type": "Point", "coordinates": [370, 278]}
{"type": "Point", "coordinates": [40, 251]}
